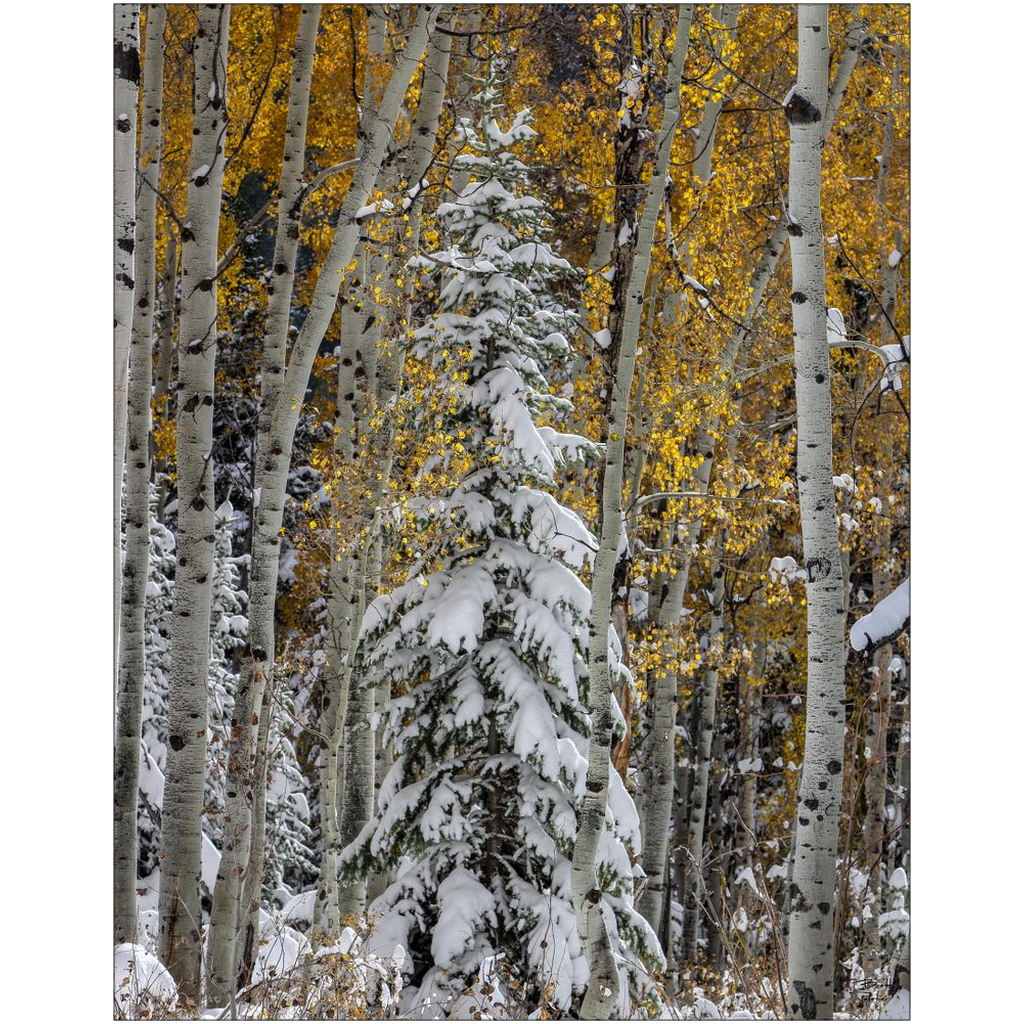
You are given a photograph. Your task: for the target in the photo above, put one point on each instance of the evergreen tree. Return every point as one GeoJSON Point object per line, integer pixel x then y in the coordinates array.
{"type": "Point", "coordinates": [485, 641]}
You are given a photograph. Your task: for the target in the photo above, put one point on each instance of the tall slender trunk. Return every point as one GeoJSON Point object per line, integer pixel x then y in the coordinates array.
{"type": "Point", "coordinates": [253, 889]}
{"type": "Point", "coordinates": [728, 14]}
{"type": "Point", "coordinates": [181, 828]}
{"type": "Point", "coordinates": [284, 383]}
{"type": "Point", "coordinates": [127, 72]}
{"type": "Point", "coordinates": [349, 577]}
{"type": "Point", "coordinates": [361, 334]}
{"type": "Point", "coordinates": [702, 764]}
{"type": "Point", "coordinates": [602, 993]}
{"type": "Point", "coordinates": [165, 358]}
{"type": "Point", "coordinates": [241, 785]}
{"type": "Point", "coordinates": [875, 788]}
{"type": "Point", "coordinates": [165, 351]}
{"type": "Point", "coordinates": [812, 908]}
{"type": "Point", "coordinates": [132, 661]}
{"type": "Point", "coordinates": [655, 825]}
{"type": "Point", "coordinates": [719, 868]}
{"type": "Point", "coordinates": [749, 700]}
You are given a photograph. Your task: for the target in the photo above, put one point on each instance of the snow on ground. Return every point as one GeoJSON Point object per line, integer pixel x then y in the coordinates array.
{"type": "Point", "coordinates": [140, 979]}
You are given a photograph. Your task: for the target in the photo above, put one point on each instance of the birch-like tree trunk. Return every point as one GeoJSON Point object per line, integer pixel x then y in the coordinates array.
{"type": "Point", "coordinates": [165, 357]}
{"type": "Point", "coordinates": [812, 906]}
{"type": "Point", "coordinates": [749, 699]}
{"type": "Point", "coordinates": [666, 777]}
{"type": "Point", "coordinates": [728, 14]}
{"type": "Point", "coordinates": [127, 71]}
{"type": "Point", "coordinates": [181, 828]}
{"type": "Point", "coordinates": [602, 993]}
{"type": "Point", "coordinates": [719, 868]}
{"type": "Point", "coordinates": [285, 380]}
{"type": "Point", "coordinates": [415, 164]}
{"type": "Point", "coordinates": [132, 661]}
{"type": "Point", "coordinates": [361, 333]}
{"type": "Point", "coordinates": [708, 699]}
{"type": "Point", "coordinates": [165, 330]}
{"type": "Point", "coordinates": [875, 788]}
{"type": "Point", "coordinates": [252, 890]}
{"type": "Point", "coordinates": [241, 785]}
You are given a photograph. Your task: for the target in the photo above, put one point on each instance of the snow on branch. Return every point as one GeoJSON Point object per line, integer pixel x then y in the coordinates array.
{"type": "Point", "coordinates": [885, 622]}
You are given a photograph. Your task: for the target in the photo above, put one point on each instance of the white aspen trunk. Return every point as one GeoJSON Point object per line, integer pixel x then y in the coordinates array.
{"type": "Point", "coordinates": [284, 389]}
{"type": "Point", "coordinates": [719, 868]}
{"type": "Point", "coordinates": [417, 160]}
{"type": "Point", "coordinates": [602, 993]}
{"type": "Point", "coordinates": [749, 749]}
{"type": "Point", "coordinates": [901, 789]}
{"type": "Point", "coordinates": [708, 699]}
{"type": "Point", "coordinates": [360, 334]}
{"type": "Point", "coordinates": [658, 805]}
{"type": "Point", "coordinates": [881, 684]}
{"type": "Point", "coordinates": [253, 888]}
{"type": "Point", "coordinates": [165, 355]}
{"type": "Point", "coordinates": [132, 662]}
{"type": "Point", "coordinates": [165, 352]}
{"type": "Point", "coordinates": [812, 892]}
{"type": "Point", "coordinates": [298, 108]}
{"type": "Point", "coordinates": [683, 778]}
{"type": "Point", "coordinates": [127, 72]}
{"type": "Point", "coordinates": [348, 577]}
{"type": "Point", "coordinates": [665, 778]}
{"type": "Point", "coordinates": [181, 826]}
{"type": "Point", "coordinates": [241, 785]}
{"type": "Point", "coordinates": [705, 143]}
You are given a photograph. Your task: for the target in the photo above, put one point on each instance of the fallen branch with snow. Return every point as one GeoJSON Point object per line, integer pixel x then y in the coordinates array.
{"type": "Point", "coordinates": [884, 623]}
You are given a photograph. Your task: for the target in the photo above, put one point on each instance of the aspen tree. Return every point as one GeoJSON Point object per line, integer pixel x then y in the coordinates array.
{"type": "Point", "coordinates": [705, 135]}
{"type": "Point", "coordinates": [132, 664]}
{"type": "Point", "coordinates": [666, 778]}
{"type": "Point", "coordinates": [165, 358]}
{"type": "Point", "coordinates": [812, 891]}
{"type": "Point", "coordinates": [416, 161]}
{"type": "Point", "coordinates": [241, 785]}
{"type": "Point", "coordinates": [286, 376]}
{"type": "Point", "coordinates": [603, 989]}
{"type": "Point", "coordinates": [181, 831]}
{"type": "Point", "coordinates": [707, 699]}
{"type": "Point", "coordinates": [127, 71]}
{"type": "Point", "coordinates": [875, 788]}
{"type": "Point", "coordinates": [352, 706]}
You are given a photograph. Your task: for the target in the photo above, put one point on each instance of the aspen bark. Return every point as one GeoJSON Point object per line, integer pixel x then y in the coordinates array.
{"type": "Point", "coordinates": [360, 333]}
{"type": "Point", "coordinates": [602, 993]}
{"type": "Point", "coordinates": [875, 788]}
{"type": "Point", "coordinates": [165, 352]}
{"type": "Point", "coordinates": [165, 358]}
{"type": "Point", "coordinates": [749, 698]}
{"type": "Point", "coordinates": [284, 384]}
{"type": "Point", "coordinates": [132, 663]}
{"type": "Point", "coordinates": [719, 867]}
{"type": "Point", "coordinates": [348, 577]}
{"type": "Point", "coordinates": [181, 829]}
{"type": "Point", "coordinates": [253, 888]}
{"type": "Point", "coordinates": [241, 786]}
{"type": "Point", "coordinates": [356, 789]}
{"type": "Point", "coordinates": [812, 892]}
{"type": "Point", "coordinates": [659, 804]}
{"type": "Point", "coordinates": [127, 71]}
{"type": "Point", "coordinates": [728, 14]}
{"type": "Point", "coordinates": [664, 778]}
{"type": "Point", "coordinates": [702, 765]}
